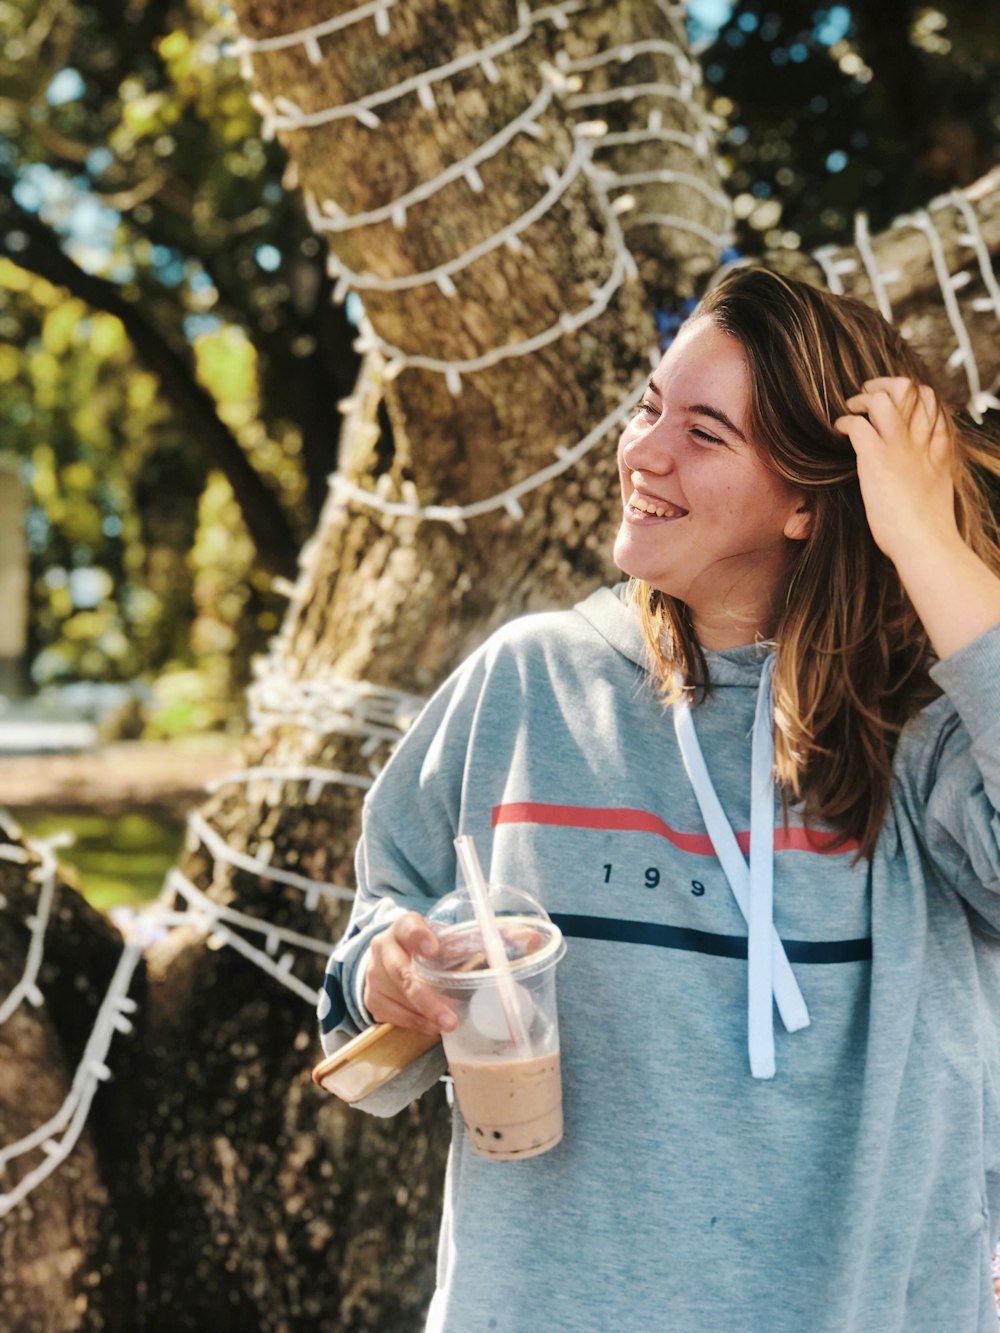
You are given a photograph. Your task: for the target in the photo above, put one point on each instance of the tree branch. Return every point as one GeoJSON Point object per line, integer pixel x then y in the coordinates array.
{"type": "Point", "coordinates": [265, 520]}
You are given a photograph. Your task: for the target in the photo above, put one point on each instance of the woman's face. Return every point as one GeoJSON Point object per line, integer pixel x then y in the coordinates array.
{"type": "Point", "coordinates": [704, 520]}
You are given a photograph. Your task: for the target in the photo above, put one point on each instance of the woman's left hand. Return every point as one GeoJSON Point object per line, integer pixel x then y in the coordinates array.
{"type": "Point", "coordinates": [900, 434]}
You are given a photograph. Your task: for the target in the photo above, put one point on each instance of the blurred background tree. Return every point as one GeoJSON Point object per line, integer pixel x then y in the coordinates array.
{"type": "Point", "coordinates": [171, 359]}
{"type": "Point", "coordinates": [835, 108]}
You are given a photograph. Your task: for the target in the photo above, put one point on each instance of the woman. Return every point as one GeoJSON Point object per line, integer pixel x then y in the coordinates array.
{"type": "Point", "coordinates": [799, 517]}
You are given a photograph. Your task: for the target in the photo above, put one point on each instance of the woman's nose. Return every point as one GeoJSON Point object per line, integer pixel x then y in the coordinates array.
{"type": "Point", "coordinates": [649, 450]}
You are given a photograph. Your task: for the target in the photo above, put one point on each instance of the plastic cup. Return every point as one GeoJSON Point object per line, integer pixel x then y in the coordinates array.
{"type": "Point", "coordinates": [510, 1096]}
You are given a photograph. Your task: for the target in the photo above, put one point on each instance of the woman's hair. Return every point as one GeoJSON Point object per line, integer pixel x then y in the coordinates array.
{"type": "Point", "coordinates": [852, 656]}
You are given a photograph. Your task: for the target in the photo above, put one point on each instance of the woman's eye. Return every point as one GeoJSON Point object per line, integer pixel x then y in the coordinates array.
{"type": "Point", "coordinates": [704, 435]}
{"type": "Point", "coordinates": [644, 407]}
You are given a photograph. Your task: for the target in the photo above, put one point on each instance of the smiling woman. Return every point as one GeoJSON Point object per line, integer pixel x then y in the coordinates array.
{"type": "Point", "coordinates": [815, 590]}
{"type": "Point", "coordinates": [787, 551]}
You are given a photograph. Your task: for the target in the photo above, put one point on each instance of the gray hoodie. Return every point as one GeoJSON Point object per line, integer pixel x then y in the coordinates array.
{"type": "Point", "coordinates": [857, 1191]}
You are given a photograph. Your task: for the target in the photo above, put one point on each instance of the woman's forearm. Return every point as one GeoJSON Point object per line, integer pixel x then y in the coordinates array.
{"type": "Point", "coordinates": [955, 594]}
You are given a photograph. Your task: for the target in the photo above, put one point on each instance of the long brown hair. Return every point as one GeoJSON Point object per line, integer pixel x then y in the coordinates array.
{"type": "Point", "coordinates": [852, 656]}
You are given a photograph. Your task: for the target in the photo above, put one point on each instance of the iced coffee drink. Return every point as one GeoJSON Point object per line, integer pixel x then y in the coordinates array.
{"type": "Point", "coordinates": [504, 1053]}
{"type": "Point", "coordinates": [511, 1108]}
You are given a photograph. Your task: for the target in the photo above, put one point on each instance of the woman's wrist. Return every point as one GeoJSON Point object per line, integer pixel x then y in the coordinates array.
{"type": "Point", "coordinates": [955, 594]}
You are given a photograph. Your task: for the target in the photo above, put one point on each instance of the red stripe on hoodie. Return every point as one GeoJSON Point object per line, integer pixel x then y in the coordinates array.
{"type": "Point", "coordinates": [794, 839]}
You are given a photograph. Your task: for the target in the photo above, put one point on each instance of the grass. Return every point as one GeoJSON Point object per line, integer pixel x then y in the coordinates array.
{"type": "Point", "coordinates": [119, 859]}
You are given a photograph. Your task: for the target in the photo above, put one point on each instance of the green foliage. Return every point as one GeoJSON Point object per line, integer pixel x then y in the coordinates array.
{"type": "Point", "coordinates": [117, 494]}
{"type": "Point", "coordinates": [126, 132]}
{"type": "Point", "coordinates": [118, 859]}
{"type": "Point", "coordinates": [838, 108]}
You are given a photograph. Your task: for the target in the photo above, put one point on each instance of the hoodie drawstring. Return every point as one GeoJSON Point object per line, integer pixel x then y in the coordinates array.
{"type": "Point", "coordinates": [769, 972]}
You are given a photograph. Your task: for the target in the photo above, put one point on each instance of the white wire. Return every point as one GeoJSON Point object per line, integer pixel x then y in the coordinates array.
{"type": "Point", "coordinates": [623, 268]}
{"type": "Point", "coordinates": [626, 53]}
{"type": "Point", "coordinates": [221, 851]}
{"type": "Point", "coordinates": [823, 257]}
{"type": "Point", "coordinates": [313, 776]}
{"type": "Point", "coordinates": [91, 1071]}
{"type": "Point", "coordinates": [328, 705]}
{"type": "Point", "coordinates": [627, 92]}
{"type": "Point", "coordinates": [302, 36]}
{"type": "Point", "coordinates": [718, 239]}
{"type": "Point", "coordinates": [398, 207]}
{"type": "Point", "coordinates": [455, 515]}
{"type": "Point", "coordinates": [878, 280]}
{"type": "Point", "coordinates": [295, 119]}
{"type": "Point", "coordinates": [45, 874]}
{"type": "Point", "coordinates": [213, 912]}
{"type": "Point", "coordinates": [667, 176]}
{"type": "Point", "coordinates": [368, 281]}
{"type": "Point", "coordinates": [963, 354]}
{"type": "Point", "coordinates": [975, 238]}
{"type": "Point", "coordinates": [225, 936]}
{"type": "Point", "coordinates": [696, 142]}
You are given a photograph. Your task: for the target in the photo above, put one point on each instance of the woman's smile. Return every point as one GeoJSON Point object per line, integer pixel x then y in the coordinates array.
{"type": "Point", "coordinates": [643, 507]}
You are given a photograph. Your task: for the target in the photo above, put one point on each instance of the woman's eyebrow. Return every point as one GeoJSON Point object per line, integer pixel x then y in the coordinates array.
{"type": "Point", "coordinates": [718, 415]}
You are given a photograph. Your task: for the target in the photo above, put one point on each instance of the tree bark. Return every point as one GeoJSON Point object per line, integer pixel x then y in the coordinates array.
{"type": "Point", "coordinates": [68, 1248]}
{"type": "Point", "coordinates": [268, 1205]}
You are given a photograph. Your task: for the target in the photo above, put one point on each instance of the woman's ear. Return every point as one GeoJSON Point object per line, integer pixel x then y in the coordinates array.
{"type": "Point", "coordinates": [799, 523]}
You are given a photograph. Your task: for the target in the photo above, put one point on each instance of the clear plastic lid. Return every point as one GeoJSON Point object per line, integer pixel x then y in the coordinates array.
{"type": "Point", "coordinates": [530, 939]}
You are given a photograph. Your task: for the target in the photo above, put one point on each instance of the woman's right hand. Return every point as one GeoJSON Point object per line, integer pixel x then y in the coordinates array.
{"type": "Point", "coordinates": [393, 991]}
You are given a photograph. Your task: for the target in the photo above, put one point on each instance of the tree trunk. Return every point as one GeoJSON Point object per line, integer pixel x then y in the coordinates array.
{"type": "Point", "coordinates": [67, 1244]}
{"type": "Point", "coordinates": [268, 1205]}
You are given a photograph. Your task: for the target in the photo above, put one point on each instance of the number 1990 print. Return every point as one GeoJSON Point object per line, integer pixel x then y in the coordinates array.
{"type": "Point", "coordinates": [651, 879]}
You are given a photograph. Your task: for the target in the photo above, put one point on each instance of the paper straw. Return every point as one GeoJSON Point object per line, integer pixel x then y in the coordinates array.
{"type": "Point", "coordinates": [496, 954]}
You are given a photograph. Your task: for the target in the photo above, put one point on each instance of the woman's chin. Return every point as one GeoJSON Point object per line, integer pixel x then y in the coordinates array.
{"type": "Point", "coordinates": [635, 564]}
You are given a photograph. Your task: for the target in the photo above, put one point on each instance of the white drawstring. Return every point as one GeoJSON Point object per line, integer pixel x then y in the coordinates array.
{"type": "Point", "coordinates": [769, 972]}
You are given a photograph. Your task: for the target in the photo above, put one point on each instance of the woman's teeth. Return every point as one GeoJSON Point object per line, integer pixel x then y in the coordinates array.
{"type": "Point", "coordinates": [660, 509]}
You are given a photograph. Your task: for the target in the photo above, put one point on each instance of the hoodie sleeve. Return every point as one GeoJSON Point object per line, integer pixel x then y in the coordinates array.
{"type": "Point", "coordinates": [405, 861]}
{"type": "Point", "coordinates": [962, 824]}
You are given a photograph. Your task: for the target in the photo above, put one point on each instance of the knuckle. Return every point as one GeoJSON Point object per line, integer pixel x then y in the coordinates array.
{"type": "Point", "coordinates": [408, 926]}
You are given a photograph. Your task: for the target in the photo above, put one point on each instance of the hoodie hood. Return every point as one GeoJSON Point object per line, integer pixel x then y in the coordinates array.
{"type": "Point", "coordinates": [613, 614]}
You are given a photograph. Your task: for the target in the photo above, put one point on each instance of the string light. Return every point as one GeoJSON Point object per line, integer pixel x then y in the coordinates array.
{"type": "Point", "coordinates": [719, 240]}
{"type": "Point", "coordinates": [963, 355]}
{"type": "Point", "coordinates": [626, 53]}
{"type": "Point", "coordinates": [878, 280]}
{"type": "Point", "coordinates": [558, 15]}
{"type": "Point", "coordinates": [835, 267]}
{"type": "Point", "coordinates": [442, 274]}
{"type": "Point", "coordinates": [697, 143]}
{"type": "Point", "coordinates": [92, 1070]}
{"type": "Point", "coordinates": [628, 91]}
{"type": "Point", "coordinates": [973, 236]}
{"type": "Point", "coordinates": [246, 47]}
{"type": "Point", "coordinates": [667, 176]}
{"type": "Point", "coordinates": [337, 220]}
{"type": "Point", "coordinates": [284, 115]}
{"type": "Point", "coordinates": [43, 874]}
{"type": "Point", "coordinates": [317, 778]}
{"type": "Point", "coordinates": [314, 889]}
{"type": "Point", "coordinates": [508, 499]}
{"type": "Point", "coordinates": [329, 705]}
